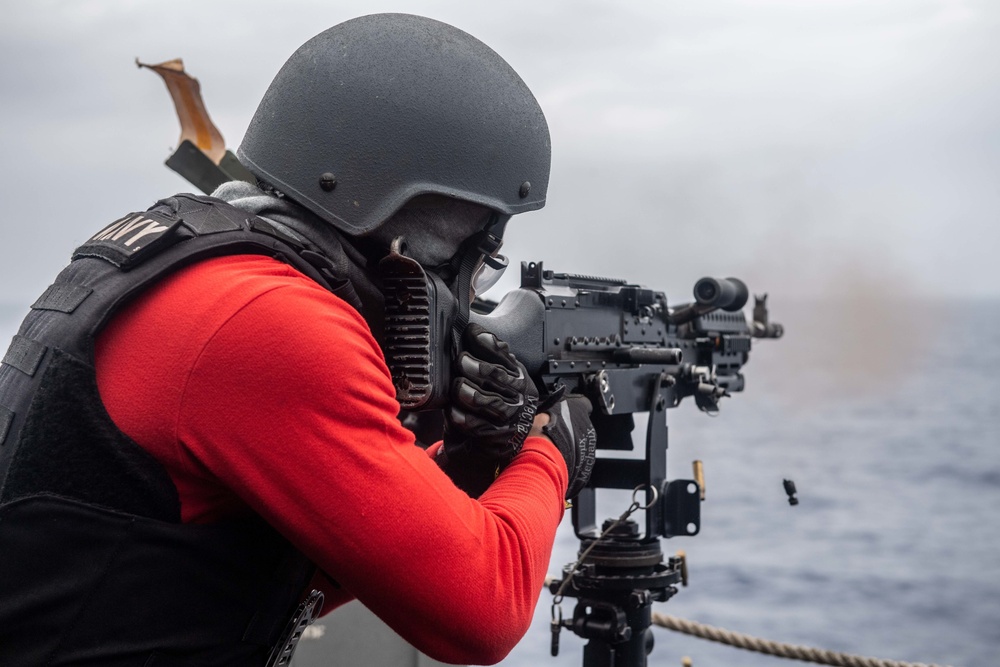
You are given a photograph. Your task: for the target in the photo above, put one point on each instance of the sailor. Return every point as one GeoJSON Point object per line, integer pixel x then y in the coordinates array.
{"type": "Point", "coordinates": [199, 434]}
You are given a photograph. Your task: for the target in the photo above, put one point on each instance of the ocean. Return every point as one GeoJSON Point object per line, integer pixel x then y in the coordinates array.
{"type": "Point", "coordinates": [888, 420]}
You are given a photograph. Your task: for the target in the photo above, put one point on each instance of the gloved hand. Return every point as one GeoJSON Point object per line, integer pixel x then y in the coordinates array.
{"type": "Point", "coordinates": [493, 405]}
{"type": "Point", "coordinates": [570, 429]}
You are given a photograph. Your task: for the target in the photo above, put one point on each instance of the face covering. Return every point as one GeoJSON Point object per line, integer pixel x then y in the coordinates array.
{"type": "Point", "coordinates": [435, 227]}
{"type": "Point", "coordinates": [426, 311]}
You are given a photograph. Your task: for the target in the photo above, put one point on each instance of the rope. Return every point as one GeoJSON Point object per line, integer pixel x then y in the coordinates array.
{"type": "Point", "coordinates": [790, 651]}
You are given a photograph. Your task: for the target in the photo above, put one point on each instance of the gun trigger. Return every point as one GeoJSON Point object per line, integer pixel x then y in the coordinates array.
{"type": "Point", "coordinates": [550, 401]}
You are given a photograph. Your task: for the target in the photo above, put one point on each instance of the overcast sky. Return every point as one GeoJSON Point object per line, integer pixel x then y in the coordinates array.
{"type": "Point", "coordinates": [808, 146]}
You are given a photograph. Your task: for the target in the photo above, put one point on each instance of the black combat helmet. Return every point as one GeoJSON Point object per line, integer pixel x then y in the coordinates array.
{"type": "Point", "coordinates": [380, 109]}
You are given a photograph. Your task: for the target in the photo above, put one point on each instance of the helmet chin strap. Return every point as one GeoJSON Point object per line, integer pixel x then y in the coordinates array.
{"type": "Point", "coordinates": [483, 244]}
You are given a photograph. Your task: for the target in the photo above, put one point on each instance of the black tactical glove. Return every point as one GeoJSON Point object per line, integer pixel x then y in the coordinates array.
{"type": "Point", "coordinates": [493, 404]}
{"type": "Point", "coordinates": [570, 429]}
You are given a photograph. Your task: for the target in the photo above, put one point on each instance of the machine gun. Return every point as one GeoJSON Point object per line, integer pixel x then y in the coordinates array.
{"type": "Point", "coordinates": [628, 351]}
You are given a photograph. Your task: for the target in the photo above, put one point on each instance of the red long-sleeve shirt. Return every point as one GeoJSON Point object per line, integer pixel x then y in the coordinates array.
{"type": "Point", "coordinates": [260, 391]}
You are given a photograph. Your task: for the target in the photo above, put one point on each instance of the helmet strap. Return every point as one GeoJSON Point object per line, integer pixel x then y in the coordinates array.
{"type": "Point", "coordinates": [483, 244]}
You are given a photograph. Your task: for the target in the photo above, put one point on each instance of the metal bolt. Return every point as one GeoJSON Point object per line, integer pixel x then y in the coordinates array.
{"type": "Point", "coordinates": [327, 181]}
{"type": "Point", "coordinates": [524, 190]}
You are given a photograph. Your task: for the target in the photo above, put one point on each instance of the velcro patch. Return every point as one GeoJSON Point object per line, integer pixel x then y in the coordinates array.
{"type": "Point", "coordinates": [126, 241]}
{"type": "Point", "coordinates": [62, 297]}
{"type": "Point", "coordinates": [24, 354]}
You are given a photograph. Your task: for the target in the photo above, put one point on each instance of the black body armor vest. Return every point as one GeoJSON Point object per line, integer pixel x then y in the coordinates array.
{"type": "Point", "coordinates": [95, 566]}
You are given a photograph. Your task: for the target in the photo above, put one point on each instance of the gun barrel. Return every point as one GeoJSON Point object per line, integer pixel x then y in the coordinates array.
{"type": "Point", "coordinates": [649, 355]}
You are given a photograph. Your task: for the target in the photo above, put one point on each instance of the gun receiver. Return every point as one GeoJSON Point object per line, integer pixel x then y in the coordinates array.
{"type": "Point", "coordinates": [623, 347]}
{"type": "Point", "coordinates": [599, 336]}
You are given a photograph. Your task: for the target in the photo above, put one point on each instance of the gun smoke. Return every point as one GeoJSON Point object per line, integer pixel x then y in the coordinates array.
{"type": "Point", "coordinates": [854, 327]}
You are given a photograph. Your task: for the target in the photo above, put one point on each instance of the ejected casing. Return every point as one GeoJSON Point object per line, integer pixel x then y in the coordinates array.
{"type": "Point", "coordinates": [699, 476]}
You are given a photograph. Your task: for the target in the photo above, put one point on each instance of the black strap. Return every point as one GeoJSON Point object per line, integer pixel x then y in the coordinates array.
{"type": "Point", "coordinates": [483, 244]}
{"type": "Point", "coordinates": [463, 286]}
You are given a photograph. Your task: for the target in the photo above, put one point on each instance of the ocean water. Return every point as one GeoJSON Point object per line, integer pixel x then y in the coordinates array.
{"type": "Point", "coordinates": [888, 420]}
